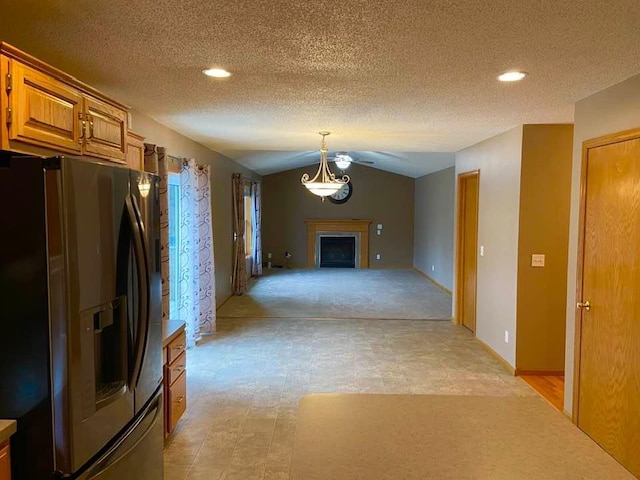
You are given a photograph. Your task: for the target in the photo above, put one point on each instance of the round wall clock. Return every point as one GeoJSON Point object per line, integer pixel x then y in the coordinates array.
{"type": "Point", "coordinates": [343, 195]}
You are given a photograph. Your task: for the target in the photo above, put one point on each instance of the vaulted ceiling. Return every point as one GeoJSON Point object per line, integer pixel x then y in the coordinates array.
{"type": "Point", "coordinates": [386, 77]}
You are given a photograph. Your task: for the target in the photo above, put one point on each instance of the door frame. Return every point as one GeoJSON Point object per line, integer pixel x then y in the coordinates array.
{"type": "Point", "coordinates": [577, 341]}
{"type": "Point", "coordinates": [460, 239]}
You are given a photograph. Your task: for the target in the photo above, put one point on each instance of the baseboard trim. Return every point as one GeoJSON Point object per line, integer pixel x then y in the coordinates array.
{"type": "Point", "coordinates": [437, 284]}
{"type": "Point", "coordinates": [540, 373]}
{"type": "Point", "coordinates": [498, 357]}
{"type": "Point", "coordinates": [218, 307]}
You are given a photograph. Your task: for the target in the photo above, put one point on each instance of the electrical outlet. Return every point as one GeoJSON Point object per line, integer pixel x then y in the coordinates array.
{"type": "Point", "coordinates": [433, 268]}
{"type": "Point", "coordinates": [379, 232]}
{"type": "Point", "coordinates": [378, 256]}
{"type": "Point", "coordinates": [506, 336]}
{"type": "Point", "coordinates": [379, 226]}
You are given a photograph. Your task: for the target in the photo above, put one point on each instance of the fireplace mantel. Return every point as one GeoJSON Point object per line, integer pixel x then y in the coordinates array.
{"type": "Point", "coordinates": [338, 226]}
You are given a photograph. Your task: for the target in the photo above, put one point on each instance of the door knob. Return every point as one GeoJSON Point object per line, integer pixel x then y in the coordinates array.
{"type": "Point", "coordinates": [586, 305]}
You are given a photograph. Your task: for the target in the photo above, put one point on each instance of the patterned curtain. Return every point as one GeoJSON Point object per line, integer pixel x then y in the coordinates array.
{"type": "Point", "coordinates": [256, 200]}
{"type": "Point", "coordinates": [197, 284]}
{"type": "Point", "coordinates": [155, 160]}
{"type": "Point", "coordinates": [239, 275]}
{"type": "Point", "coordinates": [207, 317]}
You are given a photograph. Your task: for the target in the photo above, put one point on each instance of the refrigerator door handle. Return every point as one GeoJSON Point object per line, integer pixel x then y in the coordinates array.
{"type": "Point", "coordinates": [143, 278]}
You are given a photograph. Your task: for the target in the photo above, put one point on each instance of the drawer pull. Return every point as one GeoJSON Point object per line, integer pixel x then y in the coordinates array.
{"type": "Point", "coordinates": [180, 399]}
{"type": "Point", "coordinates": [179, 346]}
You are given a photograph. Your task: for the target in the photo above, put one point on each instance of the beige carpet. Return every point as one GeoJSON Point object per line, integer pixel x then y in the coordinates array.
{"type": "Point", "coordinates": [371, 437]}
{"type": "Point", "coordinates": [341, 293]}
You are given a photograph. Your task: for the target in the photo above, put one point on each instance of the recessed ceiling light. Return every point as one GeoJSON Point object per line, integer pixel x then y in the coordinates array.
{"type": "Point", "coordinates": [512, 76]}
{"type": "Point", "coordinates": [216, 72]}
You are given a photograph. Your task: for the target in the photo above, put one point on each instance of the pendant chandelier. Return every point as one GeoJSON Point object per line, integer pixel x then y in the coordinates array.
{"type": "Point", "coordinates": [324, 183]}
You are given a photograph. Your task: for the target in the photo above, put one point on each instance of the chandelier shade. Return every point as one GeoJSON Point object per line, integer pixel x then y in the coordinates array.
{"type": "Point", "coordinates": [343, 161]}
{"type": "Point", "coordinates": [324, 183]}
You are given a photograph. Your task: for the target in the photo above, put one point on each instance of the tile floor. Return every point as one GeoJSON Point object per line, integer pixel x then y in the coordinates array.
{"type": "Point", "coordinates": [245, 383]}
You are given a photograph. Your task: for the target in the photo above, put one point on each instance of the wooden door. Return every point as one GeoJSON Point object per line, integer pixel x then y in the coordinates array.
{"type": "Point", "coordinates": [608, 366]}
{"type": "Point", "coordinates": [45, 111]}
{"type": "Point", "coordinates": [106, 130]}
{"type": "Point", "coordinates": [468, 192]}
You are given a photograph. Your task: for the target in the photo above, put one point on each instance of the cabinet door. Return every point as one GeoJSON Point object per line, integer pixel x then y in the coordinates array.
{"type": "Point", "coordinates": [135, 151]}
{"type": "Point", "coordinates": [5, 464]}
{"type": "Point", "coordinates": [45, 111]}
{"type": "Point", "coordinates": [106, 130]}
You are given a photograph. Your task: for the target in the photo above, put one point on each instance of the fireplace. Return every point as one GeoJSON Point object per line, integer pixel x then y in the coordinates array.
{"type": "Point", "coordinates": [338, 251]}
{"type": "Point", "coordinates": [348, 247]}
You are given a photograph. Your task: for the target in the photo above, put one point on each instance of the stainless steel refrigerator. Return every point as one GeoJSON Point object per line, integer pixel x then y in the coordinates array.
{"type": "Point", "coordinates": [80, 319]}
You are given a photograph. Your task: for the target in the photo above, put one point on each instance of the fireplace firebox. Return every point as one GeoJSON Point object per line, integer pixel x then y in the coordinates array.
{"type": "Point", "coordinates": [338, 251]}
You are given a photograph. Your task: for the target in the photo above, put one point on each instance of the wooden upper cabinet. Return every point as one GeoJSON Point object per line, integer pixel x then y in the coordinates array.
{"type": "Point", "coordinates": [43, 110]}
{"type": "Point", "coordinates": [46, 111]}
{"type": "Point", "coordinates": [135, 151]}
{"type": "Point", "coordinates": [106, 130]}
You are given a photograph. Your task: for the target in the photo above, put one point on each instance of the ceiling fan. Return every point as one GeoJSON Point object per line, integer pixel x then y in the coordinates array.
{"type": "Point", "coordinates": [343, 160]}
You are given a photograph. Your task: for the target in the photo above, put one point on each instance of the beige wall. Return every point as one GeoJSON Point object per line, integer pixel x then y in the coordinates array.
{"type": "Point", "coordinates": [499, 160]}
{"type": "Point", "coordinates": [221, 170]}
{"type": "Point", "coordinates": [433, 237]}
{"type": "Point", "coordinates": [612, 110]}
{"type": "Point", "coordinates": [380, 196]}
{"type": "Point", "coordinates": [545, 189]}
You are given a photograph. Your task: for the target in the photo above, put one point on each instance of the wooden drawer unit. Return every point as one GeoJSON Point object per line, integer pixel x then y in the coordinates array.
{"type": "Point", "coordinates": [177, 401]}
{"type": "Point", "coordinates": [175, 377]}
{"type": "Point", "coordinates": [176, 347]}
{"type": "Point", "coordinates": [5, 462]}
{"type": "Point", "coordinates": [177, 368]}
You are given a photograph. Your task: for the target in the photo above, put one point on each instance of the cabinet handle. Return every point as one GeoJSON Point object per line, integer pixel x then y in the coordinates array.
{"type": "Point", "coordinates": [180, 399]}
{"type": "Point", "coordinates": [83, 128]}
{"type": "Point", "coordinates": [90, 129]}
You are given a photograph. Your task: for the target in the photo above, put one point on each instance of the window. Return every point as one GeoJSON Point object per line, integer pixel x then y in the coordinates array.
{"type": "Point", "coordinates": [174, 244]}
{"type": "Point", "coordinates": [248, 220]}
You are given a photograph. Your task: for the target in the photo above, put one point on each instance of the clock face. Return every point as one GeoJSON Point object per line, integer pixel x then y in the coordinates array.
{"type": "Point", "coordinates": [342, 195]}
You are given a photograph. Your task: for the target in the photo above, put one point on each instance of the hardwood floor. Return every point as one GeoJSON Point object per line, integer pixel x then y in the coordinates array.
{"type": "Point", "coordinates": [549, 387]}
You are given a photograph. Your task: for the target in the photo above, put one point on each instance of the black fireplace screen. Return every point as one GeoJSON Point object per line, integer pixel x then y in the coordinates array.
{"type": "Point", "coordinates": [338, 252]}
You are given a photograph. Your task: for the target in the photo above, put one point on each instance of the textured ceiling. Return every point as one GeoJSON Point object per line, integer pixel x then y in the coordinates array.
{"type": "Point", "coordinates": [384, 76]}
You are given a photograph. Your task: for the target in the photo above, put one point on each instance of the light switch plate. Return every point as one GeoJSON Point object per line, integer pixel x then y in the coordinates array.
{"type": "Point", "coordinates": [379, 232]}
{"type": "Point", "coordinates": [378, 256]}
{"type": "Point", "coordinates": [482, 250]}
{"type": "Point", "coordinates": [537, 260]}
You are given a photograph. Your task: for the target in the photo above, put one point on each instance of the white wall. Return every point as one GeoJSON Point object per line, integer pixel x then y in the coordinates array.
{"type": "Point", "coordinates": [499, 161]}
{"type": "Point", "coordinates": [433, 230]}
{"type": "Point", "coordinates": [609, 111]}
